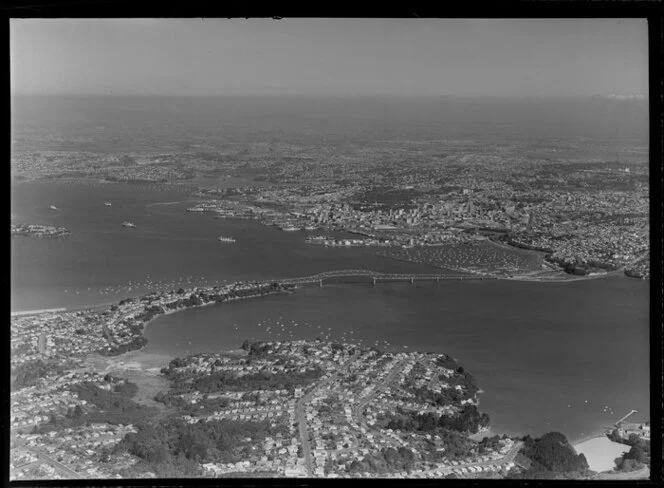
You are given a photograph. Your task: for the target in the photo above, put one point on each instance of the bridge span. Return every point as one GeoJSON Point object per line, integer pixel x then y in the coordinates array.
{"type": "Point", "coordinates": [376, 276]}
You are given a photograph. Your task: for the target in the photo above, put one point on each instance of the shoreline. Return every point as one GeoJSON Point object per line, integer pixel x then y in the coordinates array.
{"type": "Point", "coordinates": [22, 313]}
{"type": "Point", "coordinates": [562, 277]}
{"type": "Point", "coordinates": [533, 278]}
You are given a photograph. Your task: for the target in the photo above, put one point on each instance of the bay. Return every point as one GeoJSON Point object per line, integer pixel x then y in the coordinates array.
{"type": "Point", "coordinates": [549, 356]}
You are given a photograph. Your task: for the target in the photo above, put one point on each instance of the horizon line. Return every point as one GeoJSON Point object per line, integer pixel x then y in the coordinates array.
{"type": "Point", "coordinates": [615, 96]}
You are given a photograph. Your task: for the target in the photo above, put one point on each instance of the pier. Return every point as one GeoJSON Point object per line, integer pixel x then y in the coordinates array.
{"type": "Point", "coordinates": [376, 276]}
{"type": "Point", "coordinates": [632, 412]}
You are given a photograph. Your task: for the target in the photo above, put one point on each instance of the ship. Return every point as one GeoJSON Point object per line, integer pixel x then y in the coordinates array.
{"type": "Point", "coordinates": [108, 204]}
{"type": "Point", "coordinates": [225, 239]}
{"type": "Point", "coordinates": [128, 224]}
{"type": "Point", "coordinates": [53, 207]}
{"type": "Point", "coordinates": [290, 228]}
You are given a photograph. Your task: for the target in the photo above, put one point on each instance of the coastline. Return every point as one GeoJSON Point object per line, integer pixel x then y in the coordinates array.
{"type": "Point", "coordinates": [22, 313]}
{"type": "Point", "coordinates": [558, 277]}
{"type": "Point", "coordinates": [171, 312]}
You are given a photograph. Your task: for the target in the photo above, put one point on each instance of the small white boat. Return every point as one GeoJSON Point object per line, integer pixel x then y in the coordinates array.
{"type": "Point", "coordinates": [128, 224]}
{"type": "Point", "coordinates": [53, 207]}
{"type": "Point", "coordinates": [225, 239]}
{"type": "Point", "coordinates": [108, 204]}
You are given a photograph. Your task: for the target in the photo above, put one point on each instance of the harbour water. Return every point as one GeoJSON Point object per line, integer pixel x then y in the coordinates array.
{"type": "Point", "coordinates": [549, 356]}
{"type": "Point", "coordinates": [102, 261]}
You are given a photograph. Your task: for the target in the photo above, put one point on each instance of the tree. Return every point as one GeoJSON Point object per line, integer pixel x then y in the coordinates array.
{"type": "Point", "coordinates": [634, 440]}
{"type": "Point", "coordinates": [637, 454]}
{"type": "Point", "coordinates": [628, 464]}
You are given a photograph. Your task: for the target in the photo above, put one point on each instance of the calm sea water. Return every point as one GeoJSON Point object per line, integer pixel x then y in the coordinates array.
{"type": "Point", "coordinates": [169, 246]}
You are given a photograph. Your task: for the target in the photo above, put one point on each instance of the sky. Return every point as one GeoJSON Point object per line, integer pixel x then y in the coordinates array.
{"type": "Point", "coordinates": [401, 57]}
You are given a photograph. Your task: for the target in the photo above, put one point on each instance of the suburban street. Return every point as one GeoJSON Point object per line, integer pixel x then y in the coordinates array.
{"type": "Point", "coordinates": [63, 470]}
{"type": "Point", "coordinates": [301, 417]}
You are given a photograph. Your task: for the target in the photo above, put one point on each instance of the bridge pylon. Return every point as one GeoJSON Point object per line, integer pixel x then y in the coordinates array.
{"type": "Point", "coordinates": [374, 281]}
{"type": "Point", "coordinates": [320, 283]}
{"type": "Point", "coordinates": [412, 280]}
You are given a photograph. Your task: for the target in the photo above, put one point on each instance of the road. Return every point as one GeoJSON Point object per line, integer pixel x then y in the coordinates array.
{"type": "Point", "coordinates": [67, 472]}
{"type": "Point", "coordinates": [302, 420]}
{"type": "Point", "coordinates": [396, 369]}
{"type": "Point", "coordinates": [507, 458]}
{"type": "Point", "coordinates": [385, 383]}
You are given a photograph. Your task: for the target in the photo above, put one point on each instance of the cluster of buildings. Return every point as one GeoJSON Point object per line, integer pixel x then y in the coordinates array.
{"type": "Point", "coordinates": [56, 336]}
{"type": "Point", "coordinates": [65, 335]}
{"type": "Point", "coordinates": [640, 429]}
{"type": "Point", "coordinates": [62, 452]}
{"type": "Point", "coordinates": [331, 242]}
{"type": "Point", "coordinates": [35, 230]}
{"type": "Point", "coordinates": [328, 418]}
{"type": "Point", "coordinates": [640, 269]}
{"type": "Point", "coordinates": [79, 164]}
{"type": "Point", "coordinates": [608, 227]}
{"type": "Point", "coordinates": [333, 420]}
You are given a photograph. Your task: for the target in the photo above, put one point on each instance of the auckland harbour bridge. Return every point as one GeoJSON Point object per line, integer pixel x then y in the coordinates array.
{"type": "Point", "coordinates": [376, 277]}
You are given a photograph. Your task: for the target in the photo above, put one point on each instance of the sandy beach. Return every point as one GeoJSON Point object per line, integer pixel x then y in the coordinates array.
{"type": "Point", "coordinates": [36, 312]}
{"type": "Point", "coordinates": [601, 452]}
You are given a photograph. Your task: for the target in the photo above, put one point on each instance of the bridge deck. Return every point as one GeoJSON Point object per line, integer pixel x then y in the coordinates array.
{"type": "Point", "coordinates": [375, 276]}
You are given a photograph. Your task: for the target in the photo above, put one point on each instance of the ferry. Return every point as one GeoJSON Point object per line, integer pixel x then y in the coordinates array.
{"type": "Point", "coordinates": [225, 239]}
{"type": "Point", "coordinates": [108, 204]}
{"type": "Point", "coordinates": [128, 224]}
{"type": "Point", "coordinates": [53, 207]}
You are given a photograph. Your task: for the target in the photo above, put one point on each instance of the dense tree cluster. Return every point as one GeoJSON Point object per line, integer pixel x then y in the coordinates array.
{"type": "Point", "coordinates": [551, 455]}
{"type": "Point", "coordinates": [204, 406]}
{"type": "Point", "coordinates": [468, 419]}
{"type": "Point", "coordinates": [29, 373]}
{"type": "Point", "coordinates": [258, 381]}
{"type": "Point", "coordinates": [384, 461]}
{"type": "Point", "coordinates": [488, 444]}
{"type": "Point", "coordinates": [186, 381]}
{"type": "Point", "coordinates": [637, 457]}
{"type": "Point", "coordinates": [177, 447]}
{"type": "Point", "coordinates": [113, 406]}
{"type": "Point", "coordinates": [116, 349]}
